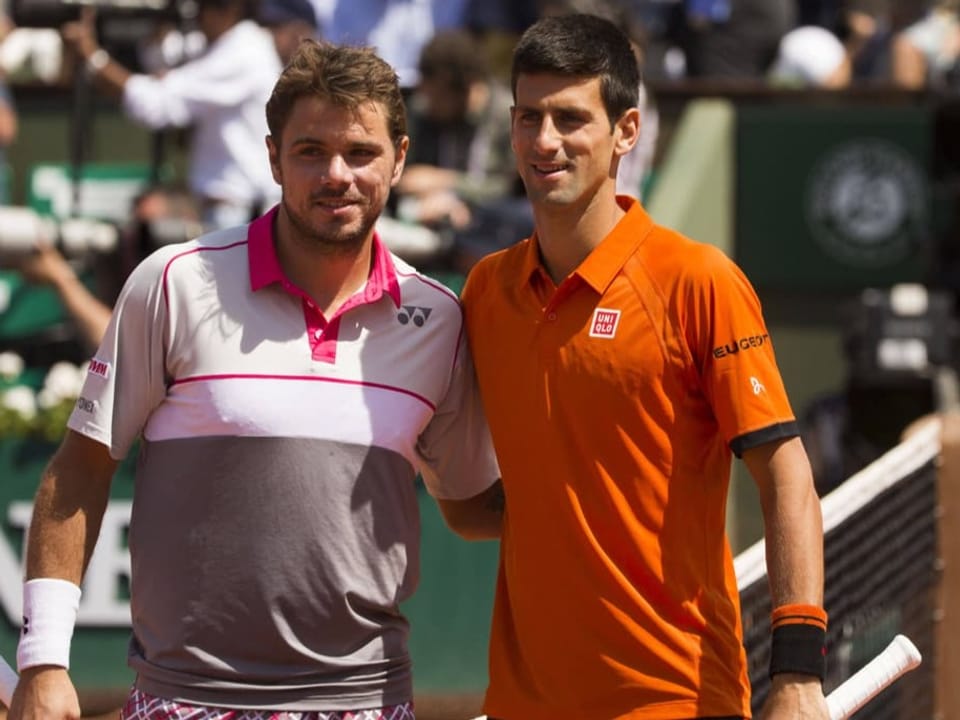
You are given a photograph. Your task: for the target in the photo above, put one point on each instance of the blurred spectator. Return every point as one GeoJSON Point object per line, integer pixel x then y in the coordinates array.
{"type": "Point", "coordinates": [48, 267]}
{"type": "Point", "coordinates": [159, 216]}
{"type": "Point", "coordinates": [221, 94]}
{"type": "Point", "coordinates": [837, 44]}
{"type": "Point", "coordinates": [8, 119]}
{"type": "Point", "coordinates": [926, 54]}
{"type": "Point", "coordinates": [398, 29]}
{"type": "Point", "coordinates": [459, 135]}
{"type": "Point", "coordinates": [811, 56]}
{"type": "Point", "coordinates": [289, 21]}
{"type": "Point", "coordinates": [168, 45]}
{"type": "Point", "coordinates": [498, 24]}
{"type": "Point", "coordinates": [460, 178]}
{"type": "Point", "coordinates": [8, 133]}
{"type": "Point", "coordinates": [636, 166]}
{"type": "Point", "coordinates": [733, 39]}
{"type": "Point", "coordinates": [866, 29]}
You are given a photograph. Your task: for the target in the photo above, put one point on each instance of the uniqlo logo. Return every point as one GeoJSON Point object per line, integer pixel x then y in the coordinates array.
{"type": "Point", "coordinates": [99, 367]}
{"type": "Point", "coordinates": [604, 323]}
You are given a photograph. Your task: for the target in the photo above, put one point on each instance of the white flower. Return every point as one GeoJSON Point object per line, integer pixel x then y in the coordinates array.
{"type": "Point", "coordinates": [63, 382]}
{"type": "Point", "coordinates": [11, 365]}
{"type": "Point", "coordinates": [22, 400]}
{"type": "Point", "coordinates": [47, 399]}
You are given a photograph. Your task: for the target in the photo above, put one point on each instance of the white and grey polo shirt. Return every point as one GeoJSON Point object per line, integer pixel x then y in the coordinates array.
{"type": "Point", "coordinates": [275, 524]}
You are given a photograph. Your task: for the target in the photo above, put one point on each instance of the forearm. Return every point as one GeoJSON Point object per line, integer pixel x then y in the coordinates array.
{"type": "Point", "coordinates": [68, 509]}
{"type": "Point", "coordinates": [793, 527]}
{"type": "Point", "coordinates": [793, 524]}
{"type": "Point", "coordinates": [477, 518]}
{"type": "Point", "coordinates": [90, 314]}
{"type": "Point", "coordinates": [794, 547]}
{"type": "Point", "coordinates": [113, 78]}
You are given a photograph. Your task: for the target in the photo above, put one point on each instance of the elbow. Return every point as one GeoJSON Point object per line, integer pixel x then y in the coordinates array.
{"type": "Point", "coordinates": [477, 518]}
{"type": "Point", "coordinates": [474, 530]}
{"type": "Point", "coordinates": [470, 525]}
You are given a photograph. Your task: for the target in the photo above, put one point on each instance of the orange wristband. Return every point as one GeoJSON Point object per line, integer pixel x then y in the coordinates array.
{"type": "Point", "coordinates": [798, 614]}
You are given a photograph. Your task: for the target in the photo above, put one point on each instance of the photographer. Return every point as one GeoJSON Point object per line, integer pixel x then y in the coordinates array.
{"type": "Point", "coordinates": [160, 215]}
{"type": "Point", "coordinates": [47, 266]}
{"type": "Point", "coordinates": [221, 93]}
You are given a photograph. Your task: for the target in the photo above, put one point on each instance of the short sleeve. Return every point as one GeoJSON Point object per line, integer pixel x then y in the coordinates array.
{"type": "Point", "coordinates": [734, 354]}
{"type": "Point", "coordinates": [126, 378]}
{"type": "Point", "coordinates": [455, 450]}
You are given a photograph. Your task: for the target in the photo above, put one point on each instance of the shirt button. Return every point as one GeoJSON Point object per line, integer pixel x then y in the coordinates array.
{"type": "Point", "coordinates": [551, 316]}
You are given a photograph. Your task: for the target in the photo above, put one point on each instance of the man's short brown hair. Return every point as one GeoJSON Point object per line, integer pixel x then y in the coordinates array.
{"type": "Point", "coordinates": [344, 75]}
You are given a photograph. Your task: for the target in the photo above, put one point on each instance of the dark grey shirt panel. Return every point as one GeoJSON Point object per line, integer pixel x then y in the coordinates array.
{"type": "Point", "coordinates": [229, 613]}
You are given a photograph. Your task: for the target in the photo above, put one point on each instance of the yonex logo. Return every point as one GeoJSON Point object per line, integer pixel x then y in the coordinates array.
{"type": "Point", "coordinates": [757, 386]}
{"type": "Point", "coordinates": [25, 628]}
{"type": "Point", "coordinates": [412, 313]}
{"type": "Point", "coordinates": [604, 323]}
{"type": "Point", "coordinates": [99, 367]}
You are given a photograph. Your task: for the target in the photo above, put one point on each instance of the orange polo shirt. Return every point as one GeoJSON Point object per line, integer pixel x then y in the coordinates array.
{"type": "Point", "coordinates": [614, 401]}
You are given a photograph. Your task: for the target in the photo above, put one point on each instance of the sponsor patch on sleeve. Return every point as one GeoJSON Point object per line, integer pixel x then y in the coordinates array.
{"type": "Point", "coordinates": [99, 367]}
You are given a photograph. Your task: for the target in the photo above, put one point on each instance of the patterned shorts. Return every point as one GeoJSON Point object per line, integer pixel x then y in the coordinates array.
{"type": "Point", "coordinates": [141, 706]}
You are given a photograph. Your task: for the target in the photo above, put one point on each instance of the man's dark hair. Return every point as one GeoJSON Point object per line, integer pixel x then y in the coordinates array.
{"type": "Point", "coordinates": [581, 45]}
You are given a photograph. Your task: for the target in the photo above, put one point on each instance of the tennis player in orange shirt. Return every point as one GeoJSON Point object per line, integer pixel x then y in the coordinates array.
{"type": "Point", "coordinates": [621, 366]}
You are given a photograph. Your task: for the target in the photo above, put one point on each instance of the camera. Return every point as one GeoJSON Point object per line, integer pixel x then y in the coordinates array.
{"type": "Point", "coordinates": [122, 25]}
{"type": "Point", "coordinates": [22, 230]}
{"type": "Point", "coordinates": [54, 13]}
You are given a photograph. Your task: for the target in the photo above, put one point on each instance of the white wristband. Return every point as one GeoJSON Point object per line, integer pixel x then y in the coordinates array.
{"type": "Point", "coordinates": [50, 610]}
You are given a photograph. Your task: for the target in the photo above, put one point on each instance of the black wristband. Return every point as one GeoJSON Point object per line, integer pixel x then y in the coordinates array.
{"type": "Point", "coordinates": [799, 648]}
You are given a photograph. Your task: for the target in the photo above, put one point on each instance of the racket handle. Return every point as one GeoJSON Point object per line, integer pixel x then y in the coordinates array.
{"type": "Point", "coordinates": [899, 657]}
{"type": "Point", "coordinates": [8, 682]}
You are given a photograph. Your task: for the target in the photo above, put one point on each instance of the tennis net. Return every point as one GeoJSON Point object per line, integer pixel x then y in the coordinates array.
{"type": "Point", "coordinates": [880, 557]}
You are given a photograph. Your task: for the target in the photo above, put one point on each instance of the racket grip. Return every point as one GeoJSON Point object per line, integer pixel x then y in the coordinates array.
{"type": "Point", "coordinates": [899, 657]}
{"type": "Point", "coordinates": [8, 682]}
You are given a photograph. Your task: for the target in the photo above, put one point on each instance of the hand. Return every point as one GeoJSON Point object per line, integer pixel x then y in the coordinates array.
{"type": "Point", "coordinates": [795, 697]}
{"type": "Point", "coordinates": [44, 692]}
{"type": "Point", "coordinates": [80, 36]}
{"type": "Point", "coordinates": [45, 266]}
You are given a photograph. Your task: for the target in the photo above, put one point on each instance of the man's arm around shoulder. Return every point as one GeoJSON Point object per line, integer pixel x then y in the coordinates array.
{"type": "Point", "coordinates": [67, 512]}
{"type": "Point", "coordinates": [476, 518]}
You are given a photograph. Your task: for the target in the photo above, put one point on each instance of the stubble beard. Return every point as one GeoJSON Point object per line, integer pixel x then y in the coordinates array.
{"type": "Point", "coordinates": [331, 239]}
